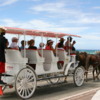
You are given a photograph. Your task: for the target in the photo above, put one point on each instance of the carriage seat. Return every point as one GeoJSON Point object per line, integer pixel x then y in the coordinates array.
{"type": "Point", "coordinates": [62, 55]}
{"type": "Point", "coordinates": [49, 56]}
{"type": "Point", "coordinates": [14, 56]}
{"type": "Point", "coordinates": [33, 56]}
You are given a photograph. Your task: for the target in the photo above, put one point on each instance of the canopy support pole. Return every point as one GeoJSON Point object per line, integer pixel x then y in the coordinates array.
{"type": "Point", "coordinates": [24, 44]}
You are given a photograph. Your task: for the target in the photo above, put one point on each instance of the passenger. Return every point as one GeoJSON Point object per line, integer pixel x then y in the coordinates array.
{"type": "Point", "coordinates": [49, 45]}
{"type": "Point", "coordinates": [69, 47]}
{"type": "Point", "coordinates": [3, 44]}
{"type": "Point", "coordinates": [31, 44]}
{"type": "Point", "coordinates": [14, 43]}
{"type": "Point", "coordinates": [68, 44]}
{"type": "Point", "coordinates": [41, 45]}
{"type": "Point", "coordinates": [23, 44]}
{"type": "Point", "coordinates": [60, 45]}
{"type": "Point", "coordinates": [73, 48]}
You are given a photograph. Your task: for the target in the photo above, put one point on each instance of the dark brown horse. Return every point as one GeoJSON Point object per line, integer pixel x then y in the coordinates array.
{"type": "Point", "coordinates": [94, 60]}
{"type": "Point", "coordinates": [86, 60]}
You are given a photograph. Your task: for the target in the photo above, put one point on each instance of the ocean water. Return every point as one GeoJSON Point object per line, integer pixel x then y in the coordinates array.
{"type": "Point", "coordinates": [88, 51]}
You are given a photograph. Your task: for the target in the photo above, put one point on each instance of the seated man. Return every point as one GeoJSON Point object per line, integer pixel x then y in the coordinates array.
{"type": "Point", "coordinates": [41, 45]}
{"type": "Point", "coordinates": [60, 45]}
{"type": "Point", "coordinates": [14, 43]}
{"type": "Point", "coordinates": [23, 44]}
{"type": "Point", "coordinates": [69, 45]}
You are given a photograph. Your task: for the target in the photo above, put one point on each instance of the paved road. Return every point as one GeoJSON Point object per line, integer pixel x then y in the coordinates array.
{"type": "Point", "coordinates": [57, 92]}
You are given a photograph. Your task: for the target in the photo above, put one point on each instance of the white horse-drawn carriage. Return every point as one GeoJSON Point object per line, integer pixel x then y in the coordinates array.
{"type": "Point", "coordinates": [24, 78]}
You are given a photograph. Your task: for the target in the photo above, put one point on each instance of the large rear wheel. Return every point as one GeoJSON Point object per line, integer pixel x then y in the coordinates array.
{"type": "Point", "coordinates": [25, 84]}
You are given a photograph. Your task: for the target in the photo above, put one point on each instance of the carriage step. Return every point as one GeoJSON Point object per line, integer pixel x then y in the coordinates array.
{"type": "Point", "coordinates": [7, 75]}
{"type": "Point", "coordinates": [10, 85]}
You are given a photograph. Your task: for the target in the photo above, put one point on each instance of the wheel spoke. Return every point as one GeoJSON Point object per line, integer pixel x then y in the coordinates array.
{"type": "Point", "coordinates": [30, 85]}
{"type": "Point", "coordinates": [19, 87]}
{"type": "Point", "coordinates": [31, 78]}
{"type": "Point", "coordinates": [28, 92]}
{"type": "Point", "coordinates": [23, 92]}
{"type": "Point", "coordinates": [20, 91]}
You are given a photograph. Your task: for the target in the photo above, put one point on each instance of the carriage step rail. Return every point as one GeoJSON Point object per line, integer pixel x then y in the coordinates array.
{"type": "Point", "coordinates": [50, 77]}
{"type": "Point", "coordinates": [53, 85]}
{"type": "Point", "coordinates": [7, 75]}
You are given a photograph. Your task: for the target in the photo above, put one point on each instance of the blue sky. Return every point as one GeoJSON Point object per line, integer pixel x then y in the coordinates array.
{"type": "Point", "coordinates": [81, 17]}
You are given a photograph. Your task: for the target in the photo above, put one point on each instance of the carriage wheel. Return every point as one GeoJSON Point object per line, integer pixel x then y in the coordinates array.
{"type": "Point", "coordinates": [79, 76]}
{"type": "Point", "coordinates": [25, 83]}
{"type": "Point", "coordinates": [53, 80]}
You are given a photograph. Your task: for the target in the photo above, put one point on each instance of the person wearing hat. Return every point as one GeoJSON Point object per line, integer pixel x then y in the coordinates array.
{"type": "Point", "coordinates": [60, 45]}
{"type": "Point", "coordinates": [14, 43]}
{"type": "Point", "coordinates": [49, 45]}
{"type": "Point", "coordinates": [3, 44]}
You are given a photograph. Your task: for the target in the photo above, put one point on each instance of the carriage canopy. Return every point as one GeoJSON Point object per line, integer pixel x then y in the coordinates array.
{"type": "Point", "coordinates": [13, 30]}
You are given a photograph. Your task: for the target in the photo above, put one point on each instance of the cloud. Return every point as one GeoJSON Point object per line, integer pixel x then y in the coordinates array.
{"type": "Point", "coordinates": [85, 20]}
{"type": "Point", "coordinates": [97, 7]}
{"type": "Point", "coordinates": [90, 36]}
{"type": "Point", "coordinates": [49, 7]}
{"type": "Point", "coordinates": [68, 13]}
{"type": "Point", "coordinates": [7, 2]}
{"type": "Point", "coordinates": [42, 25]}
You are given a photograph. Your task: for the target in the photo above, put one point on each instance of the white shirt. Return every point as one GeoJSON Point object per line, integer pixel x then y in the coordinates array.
{"type": "Point", "coordinates": [14, 45]}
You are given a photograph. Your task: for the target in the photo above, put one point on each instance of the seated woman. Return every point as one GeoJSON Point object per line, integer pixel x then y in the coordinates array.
{"type": "Point", "coordinates": [31, 44]}
{"type": "Point", "coordinates": [49, 46]}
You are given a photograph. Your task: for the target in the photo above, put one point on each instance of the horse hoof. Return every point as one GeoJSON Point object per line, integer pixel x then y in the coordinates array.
{"type": "Point", "coordinates": [86, 80]}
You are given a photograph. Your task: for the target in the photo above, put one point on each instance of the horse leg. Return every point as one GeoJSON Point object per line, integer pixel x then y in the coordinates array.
{"type": "Point", "coordinates": [97, 72]}
{"type": "Point", "coordinates": [86, 74]}
{"type": "Point", "coordinates": [94, 69]}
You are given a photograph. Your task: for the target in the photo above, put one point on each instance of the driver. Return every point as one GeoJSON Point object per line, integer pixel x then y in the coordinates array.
{"type": "Point", "coordinates": [3, 44]}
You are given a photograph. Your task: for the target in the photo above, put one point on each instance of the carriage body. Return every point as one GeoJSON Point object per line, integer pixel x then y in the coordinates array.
{"type": "Point", "coordinates": [29, 66]}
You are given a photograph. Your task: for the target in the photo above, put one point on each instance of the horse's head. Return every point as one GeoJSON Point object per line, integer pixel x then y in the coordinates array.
{"type": "Point", "coordinates": [81, 57]}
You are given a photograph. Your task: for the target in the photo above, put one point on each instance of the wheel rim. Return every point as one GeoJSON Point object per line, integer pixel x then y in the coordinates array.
{"type": "Point", "coordinates": [54, 80]}
{"type": "Point", "coordinates": [79, 76]}
{"type": "Point", "coordinates": [26, 83]}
